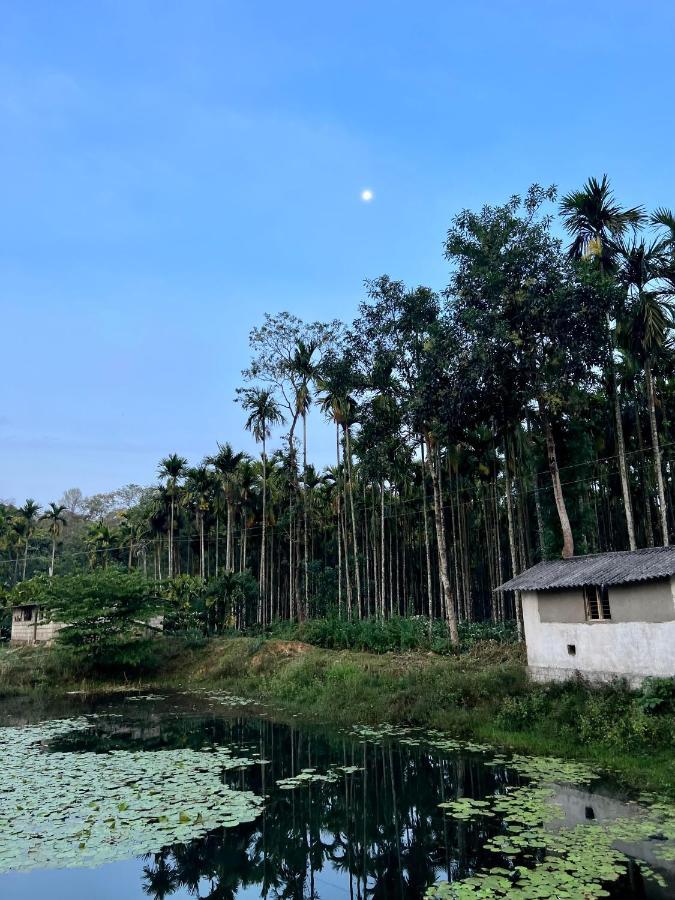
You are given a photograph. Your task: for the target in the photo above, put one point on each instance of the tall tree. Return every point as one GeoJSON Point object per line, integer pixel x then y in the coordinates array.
{"type": "Point", "coordinates": [597, 224]}
{"type": "Point", "coordinates": [28, 516]}
{"type": "Point", "coordinates": [171, 469]}
{"type": "Point", "coordinates": [263, 413]}
{"type": "Point", "coordinates": [56, 521]}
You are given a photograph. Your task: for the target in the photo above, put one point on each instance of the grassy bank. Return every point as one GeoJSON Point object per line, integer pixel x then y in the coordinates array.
{"type": "Point", "coordinates": [481, 693]}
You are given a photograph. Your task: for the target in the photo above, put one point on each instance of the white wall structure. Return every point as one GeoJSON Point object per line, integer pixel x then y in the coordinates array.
{"type": "Point", "coordinates": [638, 641]}
{"type": "Point", "coordinates": [29, 626]}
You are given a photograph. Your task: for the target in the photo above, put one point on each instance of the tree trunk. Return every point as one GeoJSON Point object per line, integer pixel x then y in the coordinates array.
{"type": "Point", "coordinates": [51, 567]}
{"type": "Point", "coordinates": [427, 553]}
{"type": "Point", "coordinates": [339, 519]}
{"type": "Point", "coordinates": [304, 511]}
{"type": "Point", "coordinates": [263, 533]}
{"type": "Point", "coordinates": [568, 540]}
{"type": "Point", "coordinates": [440, 540]}
{"type": "Point", "coordinates": [623, 468]}
{"type": "Point", "coordinates": [515, 569]}
{"type": "Point", "coordinates": [656, 452]}
{"type": "Point", "coordinates": [357, 573]}
{"type": "Point", "coordinates": [229, 553]}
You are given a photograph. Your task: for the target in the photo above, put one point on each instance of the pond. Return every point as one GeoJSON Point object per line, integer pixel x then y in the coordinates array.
{"type": "Point", "coordinates": [206, 796]}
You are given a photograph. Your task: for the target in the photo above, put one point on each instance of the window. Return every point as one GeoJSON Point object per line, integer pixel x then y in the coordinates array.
{"type": "Point", "coordinates": [596, 599]}
{"type": "Point", "coordinates": [28, 613]}
{"type": "Point", "coordinates": [572, 649]}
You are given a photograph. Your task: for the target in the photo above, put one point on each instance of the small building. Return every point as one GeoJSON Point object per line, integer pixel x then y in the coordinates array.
{"type": "Point", "coordinates": [602, 616]}
{"type": "Point", "coordinates": [31, 626]}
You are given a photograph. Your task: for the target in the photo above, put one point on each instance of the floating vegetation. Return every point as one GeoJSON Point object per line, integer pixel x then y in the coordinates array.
{"type": "Point", "coordinates": [310, 776]}
{"type": "Point", "coordinates": [84, 809]}
{"type": "Point", "coordinates": [379, 732]}
{"type": "Point", "coordinates": [144, 697]}
{"type": "Point", "coordinates": [545, 858]}
{"type": "Point", "coordinates": [227, 699]}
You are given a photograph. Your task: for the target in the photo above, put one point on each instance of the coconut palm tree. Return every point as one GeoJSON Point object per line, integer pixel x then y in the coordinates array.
{"type": "Point", "coordinates": [54, 516]}
{"type": "Point", "coordinates": [28, 514]}
{"type": "Point", "coordinates": [597, 225]}
{"type": "Point", "coordinates": [171, 468]}
{"type": "Point", "coordinates": [263, 413]}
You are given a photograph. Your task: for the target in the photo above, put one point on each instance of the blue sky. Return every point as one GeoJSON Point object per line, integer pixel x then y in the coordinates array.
{"type": "Point", "coordinates": [173, 170]}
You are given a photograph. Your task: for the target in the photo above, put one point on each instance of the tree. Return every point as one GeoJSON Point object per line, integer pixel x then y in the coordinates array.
{"type": "Point", "coordinates": [263, 413]}
{"type": "Point", "coordinates": [56, 520]}
{"type": "Point", "coordinates": [172, 468]}
{"type": "Point", "coordinates": [28, 514]}
{"type": "Point", "coordinates": [107, 614]}
{"type": "Point", "coordinates": [649, 317]}
{"type": "Point", "coordinates": [597, 225]}
{"type": "Point", "coordinates": [226, 462]}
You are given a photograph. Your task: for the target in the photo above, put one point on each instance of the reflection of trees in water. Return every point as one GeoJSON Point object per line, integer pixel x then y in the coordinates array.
{"type": "Point", "coordinates": [379, 832]}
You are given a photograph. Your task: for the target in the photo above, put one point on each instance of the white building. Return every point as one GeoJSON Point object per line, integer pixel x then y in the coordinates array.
{"type": "Point", "coordinates": [31, 626]}
{"type": "Point", "coordinates": [602, 616]}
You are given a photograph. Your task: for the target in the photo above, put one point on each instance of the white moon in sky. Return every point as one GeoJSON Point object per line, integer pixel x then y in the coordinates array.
{"type": "Point", "coordinates": [367, 195]}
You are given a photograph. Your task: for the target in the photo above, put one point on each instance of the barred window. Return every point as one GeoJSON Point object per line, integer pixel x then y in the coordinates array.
{"type": "Point", "coordinates": [597, 603]}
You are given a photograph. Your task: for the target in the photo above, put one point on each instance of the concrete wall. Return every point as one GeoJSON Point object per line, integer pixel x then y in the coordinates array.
{"type": "Point", "coordinates": [34, 630]}
{"type": "Point", "coordinates": [606, 649]}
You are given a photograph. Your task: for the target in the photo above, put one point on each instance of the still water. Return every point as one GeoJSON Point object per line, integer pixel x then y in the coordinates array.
{"type": "Point", "coordinates": [203, 796]}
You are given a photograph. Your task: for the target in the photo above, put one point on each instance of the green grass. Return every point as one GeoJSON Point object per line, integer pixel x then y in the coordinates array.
{"type": "Point", "coordinates": [482, 693]}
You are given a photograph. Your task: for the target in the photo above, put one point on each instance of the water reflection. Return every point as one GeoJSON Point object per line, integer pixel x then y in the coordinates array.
{"type": "Point", "coordinates": [374, 832]}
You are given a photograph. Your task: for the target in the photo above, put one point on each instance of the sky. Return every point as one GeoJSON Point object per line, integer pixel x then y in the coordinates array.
{"type": "Point", "coordinates": [173, 170]}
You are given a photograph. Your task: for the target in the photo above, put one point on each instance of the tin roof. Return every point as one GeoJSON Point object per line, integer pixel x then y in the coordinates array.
{"type": "Point", "coordinates": [620, 567]}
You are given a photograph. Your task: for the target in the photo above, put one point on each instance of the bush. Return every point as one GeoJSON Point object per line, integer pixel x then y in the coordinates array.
{"type": "Point", "coordinates": [391, 635]}
{"type": "Point", "coordinates": [657, 695]}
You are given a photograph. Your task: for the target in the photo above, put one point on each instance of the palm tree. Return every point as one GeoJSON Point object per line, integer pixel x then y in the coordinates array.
{"type": "Point", "coordinates": [226, 462]}
{"type": "Point", "coordinates": [263, 412]}
{"type": "Point", "coordinates": [100, 540]}
{"type": "Point", "coordinates": [54, 515]}
{"type": "Point", "coordinates": [649, 317]}
{"type": "Point", "coordinates": [339, 405]}
{"type": "Point", "coordinates": [199, 491]}
{"type": "Point", "coordinates": [304, 367]}
{"type": "Point", "coordinates": [28, 517]}
{"type": "Point", "coordinates": [172, 468]}
{"type": "Point", "coordinates": [597, 224]}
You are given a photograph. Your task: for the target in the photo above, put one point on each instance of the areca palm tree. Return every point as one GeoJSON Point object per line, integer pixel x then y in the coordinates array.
{"type": "Point", "coordinates": [226, 462]}
{"type": "Point", "coordinates": [54, 516]}
{"type": "Point", "coordinates": [650, 315]}
{"type": "Point", "coordinates": [263, 413]}
{"type": "Point", "coordinates": [337, 403]}
{"type": "Point", "coordinates": [28, 517]}
{"type": "Point", "coordinates": [171, 468]}
{"type": "Point", "coordinates": [597, 225]}
{"type": "Point", "coordinates": [100, 540]}
{"type": "Point", "coordinates": [305, 370]}
{"type": "Point", "coordinates": [199, 490]}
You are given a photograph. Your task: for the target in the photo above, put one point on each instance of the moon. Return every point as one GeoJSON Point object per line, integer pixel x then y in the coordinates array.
{"type": "Point", "coordinates": [367, 195]}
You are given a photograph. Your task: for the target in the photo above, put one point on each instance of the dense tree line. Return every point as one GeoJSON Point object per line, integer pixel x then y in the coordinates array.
{"type": "Point", "coordinates": [523, 411]}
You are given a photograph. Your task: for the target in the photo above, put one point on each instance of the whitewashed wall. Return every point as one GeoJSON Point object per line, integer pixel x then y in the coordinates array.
{"type": "Point", "coordinates": [604, 650]}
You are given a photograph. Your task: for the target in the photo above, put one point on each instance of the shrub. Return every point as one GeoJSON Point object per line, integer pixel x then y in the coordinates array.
{"type": "Point", "coordinates": [657, 695]}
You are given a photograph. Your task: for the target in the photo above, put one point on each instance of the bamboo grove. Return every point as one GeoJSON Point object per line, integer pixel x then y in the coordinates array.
{"type": "Point", "coordinates": [522, 412]}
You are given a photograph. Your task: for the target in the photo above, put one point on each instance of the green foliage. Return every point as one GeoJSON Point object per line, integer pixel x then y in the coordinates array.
{"type": "Point", "coordinates": [104, 613]}
{"type": "Point", "coordinates": [210, 607]}
{"type": "Point", "coordinates": [395, 635]}
{"type": "Point", "coordinates": [611, 716]}
{"type": "Point", "coordinates": [657, 695]}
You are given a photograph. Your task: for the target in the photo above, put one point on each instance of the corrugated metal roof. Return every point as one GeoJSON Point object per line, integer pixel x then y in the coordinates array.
{"type": "Point", "coordinates": [621, 567]}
